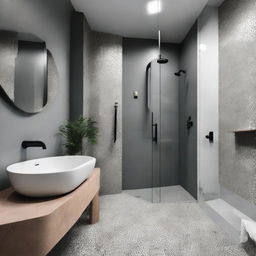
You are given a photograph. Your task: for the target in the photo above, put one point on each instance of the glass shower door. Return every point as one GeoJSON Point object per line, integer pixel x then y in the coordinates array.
{"type": "Point", "coordinates": [155, 108]}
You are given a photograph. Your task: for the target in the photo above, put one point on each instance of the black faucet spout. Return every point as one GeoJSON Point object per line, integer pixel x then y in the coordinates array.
{"type": "Point", "coordinates": [35, 144]}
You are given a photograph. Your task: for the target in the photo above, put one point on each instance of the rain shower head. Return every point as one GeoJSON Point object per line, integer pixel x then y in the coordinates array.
{"type": "Point", "coordinates": [161, 60]}
{"type": "Point", "coordinates": [181, 71]}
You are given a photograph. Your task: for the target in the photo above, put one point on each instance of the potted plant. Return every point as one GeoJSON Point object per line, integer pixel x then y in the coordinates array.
{"type": "Point", "coordinates": [76, 131]}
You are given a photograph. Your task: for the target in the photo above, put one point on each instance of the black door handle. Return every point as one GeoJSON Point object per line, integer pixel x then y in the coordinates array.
{"type": "Point", "coordinates": [115, 122]}
{"type": "Point", "coordinates": [153, 128]}
{"type": "Point", "coordinates": [209, 137]}
{"type": "Point", "coordinates": [154, 132]}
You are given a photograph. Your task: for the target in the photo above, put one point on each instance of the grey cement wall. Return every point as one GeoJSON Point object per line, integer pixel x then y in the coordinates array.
{"type": "Point", "coordinates": [188, 107]}
{"type": "Point", "coordinates": [137, 140]}
{"type": "Point", "coordinates": [237, 104]}
{"type": "Point", "coordinates": [50, 21]}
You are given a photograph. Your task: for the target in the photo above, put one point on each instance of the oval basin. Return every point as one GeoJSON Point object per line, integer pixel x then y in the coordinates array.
{"type": "Point", "coordinates": [50, 176]}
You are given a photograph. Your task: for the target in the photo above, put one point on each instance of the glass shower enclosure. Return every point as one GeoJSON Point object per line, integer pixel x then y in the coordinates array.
{"type": "Point", "coordinates": [162, 104]}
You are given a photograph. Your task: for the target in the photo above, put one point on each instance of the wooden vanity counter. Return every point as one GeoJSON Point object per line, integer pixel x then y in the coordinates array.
{"type": "Point", "coordinates": [32, 227]}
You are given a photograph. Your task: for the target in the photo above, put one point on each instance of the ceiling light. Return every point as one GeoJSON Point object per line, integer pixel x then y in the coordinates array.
{"type": "Point", "coordinates": [154, 7]}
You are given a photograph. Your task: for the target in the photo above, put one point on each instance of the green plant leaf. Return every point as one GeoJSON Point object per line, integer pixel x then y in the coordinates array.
{"type": "Point", "coordinates": [75, 131]}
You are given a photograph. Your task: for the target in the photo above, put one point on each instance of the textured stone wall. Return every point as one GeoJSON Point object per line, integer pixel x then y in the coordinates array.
{"type": "Point", "coordinates": [238, 96]}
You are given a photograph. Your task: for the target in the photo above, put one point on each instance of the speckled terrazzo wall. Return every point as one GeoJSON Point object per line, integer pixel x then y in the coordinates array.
{"type": "Point", "coordinates": [96, 74]}
{"type": "Point", "coordinates": [238, 96]}
{"type": "Point", "coordinates": [102, 88]}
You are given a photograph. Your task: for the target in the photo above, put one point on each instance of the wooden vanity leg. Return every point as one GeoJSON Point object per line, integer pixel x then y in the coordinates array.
{"type": "Point", "coordinates": [95, 209]}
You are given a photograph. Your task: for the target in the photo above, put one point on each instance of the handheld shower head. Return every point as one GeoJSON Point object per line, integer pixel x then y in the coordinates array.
{"type": "Point", "coordinates": [181, 71]}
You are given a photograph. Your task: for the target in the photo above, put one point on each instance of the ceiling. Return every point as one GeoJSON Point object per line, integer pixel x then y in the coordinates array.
{"type": "Point", "coordinates": [129, 18]}
{"type": "Point", "coordinates": [215, 2]}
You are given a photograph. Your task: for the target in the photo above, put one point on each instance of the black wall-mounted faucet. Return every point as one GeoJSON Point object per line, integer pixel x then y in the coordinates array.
{"type": "Point", "coordinates": [180, 72]}
{"type": "Point", "coordinates": [34, 144]}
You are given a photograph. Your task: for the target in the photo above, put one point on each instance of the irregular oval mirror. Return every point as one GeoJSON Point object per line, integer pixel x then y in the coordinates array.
{"type": "Point", "coordinates": [24, 61]}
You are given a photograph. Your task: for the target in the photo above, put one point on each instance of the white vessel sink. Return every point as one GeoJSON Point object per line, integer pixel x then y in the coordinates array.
{"type": "Point", "coordinates": [50, 176]}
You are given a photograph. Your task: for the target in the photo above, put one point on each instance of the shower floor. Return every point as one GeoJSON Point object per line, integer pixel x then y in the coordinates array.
{"type": "Point", "coordinates": [170, 194]}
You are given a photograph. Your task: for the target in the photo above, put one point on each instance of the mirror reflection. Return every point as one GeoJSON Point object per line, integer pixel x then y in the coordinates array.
{"type": "Point", "coordinates": [24, 71]}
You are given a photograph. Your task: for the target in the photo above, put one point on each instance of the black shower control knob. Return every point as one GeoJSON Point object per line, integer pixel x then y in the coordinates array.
{"type": "Point", "coordinates": [209, 137]}
{"type": "Point", "coordinates": [189, 122]}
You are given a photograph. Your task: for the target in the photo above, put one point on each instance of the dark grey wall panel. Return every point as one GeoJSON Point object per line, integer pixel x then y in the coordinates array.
{"type": "Point", "coordinates": [188, 107]}
{"type": "Point", "coordinates": [76, 65]}
{"type": "Point", "coordinates": [237, 96]}
{"type": "Point", "coordinates": [137, 145]}
{"type": "Point", "coordinates": [50, 21]}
